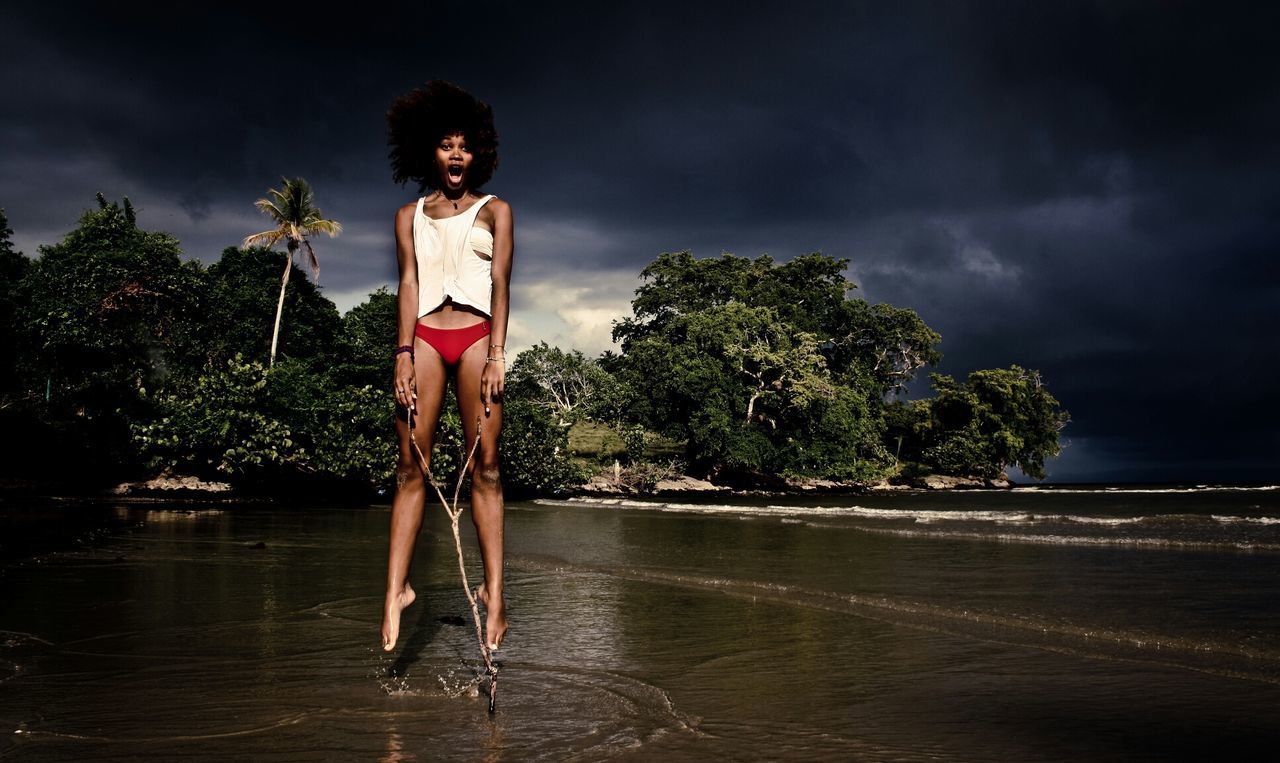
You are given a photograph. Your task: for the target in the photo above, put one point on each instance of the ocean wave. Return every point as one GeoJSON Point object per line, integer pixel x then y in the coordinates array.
{"type": "Point", "coordinates": [1226, 520]}
{"type": "Point", "coordinates": [1035, 489]}
{"type": "Point", "coordinates": [918, 516]}
{"type": "Point", "coordinates": [1080, 540]}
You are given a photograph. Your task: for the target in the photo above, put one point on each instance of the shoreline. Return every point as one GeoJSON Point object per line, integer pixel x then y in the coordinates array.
{"type": "Point", "coordinates": [183, 487]}
{"type": "Point", "coordinates": [179, 488]}
{"type": "Point", "coordinates": [602, 485]}
{"type": "Point", "coordinates": [25, 495]}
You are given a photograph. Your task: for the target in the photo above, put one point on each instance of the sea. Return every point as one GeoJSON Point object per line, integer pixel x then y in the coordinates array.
{"type": "Point", "coordinates": [1046, 623]}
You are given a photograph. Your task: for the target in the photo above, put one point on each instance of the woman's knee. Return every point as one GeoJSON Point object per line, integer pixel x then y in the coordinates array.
{"type": "Point", "coordinates": [408, 475]}
{"type": "Point", "coordinates": [486, 474]}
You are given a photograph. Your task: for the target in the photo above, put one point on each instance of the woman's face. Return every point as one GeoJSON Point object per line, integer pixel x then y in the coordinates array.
{"type": "Point", "coordinates": [452, 161]}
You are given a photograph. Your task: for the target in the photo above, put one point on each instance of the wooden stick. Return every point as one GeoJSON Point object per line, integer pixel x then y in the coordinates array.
{"type": "Point", "coordinates": [455, 513]}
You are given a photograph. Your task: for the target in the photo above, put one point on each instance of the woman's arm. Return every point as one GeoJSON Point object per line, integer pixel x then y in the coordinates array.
{"type": "Point", "coordinates": [407, 306]}
{"type": "Point", "coordinates": [492, 382]}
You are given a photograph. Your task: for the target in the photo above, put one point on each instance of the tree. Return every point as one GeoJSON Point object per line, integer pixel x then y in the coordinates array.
{"type": "Point", "coordinates": [863, 344]}
{"type": "Point", "coordinates": [368, 330]}
{"type": "Point", "coordinates": [747, 393]}
{"type": "Point", "coordinates": [13, 267]}
{"type": "Point", "coordinates": [219, 427]}
{"type": "Point", "coordinates": [110, 310]}
{"type": "Point", "coordinates": [998, 417]}
{"type": "Point", "coordinates": [293, 210]}
{"type": "Point", "coordinates": [345, 431]}
{"type": "Point", "coordinates": [535, 451]}
{"type": "Point", "coordinates": [569, 385]}
{"type": "Point", "coordinates": [10, 268]}
{"type": "Point", "coordinates": [240, 301]}
{"type": "Point", "coordinates": [765, 366]}
{"type": "Point", "coordinates": [879, 346]}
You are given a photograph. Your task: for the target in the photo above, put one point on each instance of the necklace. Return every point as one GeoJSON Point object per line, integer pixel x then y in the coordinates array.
{"type": "Point", "coordinates": [454, 202]}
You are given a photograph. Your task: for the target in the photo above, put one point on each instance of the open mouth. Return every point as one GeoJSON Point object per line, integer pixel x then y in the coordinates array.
{"type": "Point", "coordinates": [455, 171]}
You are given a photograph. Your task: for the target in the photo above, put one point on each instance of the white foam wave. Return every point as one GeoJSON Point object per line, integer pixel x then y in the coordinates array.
{"type": "Point", "coordinates": [1226, 520]}
{"type": "Point", "coordinates": [928, 516]}
{"type": "Point", "coordinates": [1076, 540]}
{"type": "Point", "coordinates": [1033, 489]}
{"type": "Point", "coordinates": [916, 516]}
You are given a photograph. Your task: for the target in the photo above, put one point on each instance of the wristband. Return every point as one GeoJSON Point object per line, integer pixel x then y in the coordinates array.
{"type": "Point", "coordinates": [403, 348]}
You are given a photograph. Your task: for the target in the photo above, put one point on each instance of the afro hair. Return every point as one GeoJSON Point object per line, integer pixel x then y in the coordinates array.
{"type": "Point", "coordinates": [420, 119]}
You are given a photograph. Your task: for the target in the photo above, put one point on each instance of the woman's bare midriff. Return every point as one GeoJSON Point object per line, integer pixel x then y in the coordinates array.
{"type": "Point", "coordinates": [452, 316]}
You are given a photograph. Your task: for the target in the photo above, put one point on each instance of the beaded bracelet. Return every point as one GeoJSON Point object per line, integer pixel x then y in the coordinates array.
{"type": "Point", "coordinates": [403, 348]}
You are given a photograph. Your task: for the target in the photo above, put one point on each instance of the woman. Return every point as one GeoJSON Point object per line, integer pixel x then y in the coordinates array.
{"type": "Point", "coordinates": [454, 247]}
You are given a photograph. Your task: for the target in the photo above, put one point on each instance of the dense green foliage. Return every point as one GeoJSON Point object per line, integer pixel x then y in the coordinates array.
{"type": "Point", "coordinates": [219, 426]}
{"type": "Point", "coordinates": [13, 267]}
{"type": "Point", "coordinates": [153, 364]}
{"type": "Point", "coordinates": [128, 360]}
{"type": "Point", "coordinates": [368, 329]}
{"type": "Point", "coordinates": [764, 368]}
{"type": "Point", "coordinates": [242, 293]}
{"type": "Point", "coordinates": [535, 450]}
{"type": "Point", "coordinates": [877, 346]}
{"type": "Point", "coordinates": [569, 385]}
{"type": "Point", "coordinates": [998, 417]}
{"type": "Point", "coordinates": [104, 314]}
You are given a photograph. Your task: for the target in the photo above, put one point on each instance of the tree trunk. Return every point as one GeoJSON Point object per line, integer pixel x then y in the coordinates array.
{"type": "Point", "coordinates": [275, 333]}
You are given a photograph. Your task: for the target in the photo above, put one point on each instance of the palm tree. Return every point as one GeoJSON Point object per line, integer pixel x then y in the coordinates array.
{"type": "Point", "coordinates": [296, 217]}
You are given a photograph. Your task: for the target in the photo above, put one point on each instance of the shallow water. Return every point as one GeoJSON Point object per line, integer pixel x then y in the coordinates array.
{"type": "Point", "coordinates": [1023, 625]}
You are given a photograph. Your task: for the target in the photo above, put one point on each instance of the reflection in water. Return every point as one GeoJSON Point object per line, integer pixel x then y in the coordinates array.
{"type": "Point", "coordinates": [673, 632]}
{"type": "Point", "coordinates": [395, 747]}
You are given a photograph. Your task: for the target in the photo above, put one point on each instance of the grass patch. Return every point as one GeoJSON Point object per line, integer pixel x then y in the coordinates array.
{"type": "Point", "coordinates": [591, 441]}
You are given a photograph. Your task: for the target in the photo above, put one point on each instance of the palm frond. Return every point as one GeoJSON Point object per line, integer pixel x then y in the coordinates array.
{"type": "Point", "coordinates": [331, 227]}
{"type": "Point", "coordinates": [292, 207]}
{"type": "Point", "coordinates": [312, 261]}
{"type": "Point", "coordinates": [270, 209]}
{"type": "Point", "coordinates": [267, 238]}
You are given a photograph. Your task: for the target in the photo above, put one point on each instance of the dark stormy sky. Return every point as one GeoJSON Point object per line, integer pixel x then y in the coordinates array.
{"type": "Point", "coordinates": [1087, 189]}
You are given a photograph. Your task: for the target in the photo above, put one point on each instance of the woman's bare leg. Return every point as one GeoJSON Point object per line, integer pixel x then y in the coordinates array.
{"type": "Point", "coordinates": [486, 487]}
{"type": "Point", "coordinates": [411, 487]}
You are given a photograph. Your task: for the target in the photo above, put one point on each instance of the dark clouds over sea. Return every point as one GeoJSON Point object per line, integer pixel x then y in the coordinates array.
{"type": "Point", "coordinates": [1087, 189]}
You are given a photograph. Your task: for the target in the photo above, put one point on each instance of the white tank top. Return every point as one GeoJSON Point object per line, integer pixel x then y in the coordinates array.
{"type": "Point", "coordinates": [449, 263]}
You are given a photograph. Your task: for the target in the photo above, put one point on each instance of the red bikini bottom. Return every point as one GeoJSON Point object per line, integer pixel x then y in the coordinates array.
{"type": "Point", "coordinates": [451, 343]}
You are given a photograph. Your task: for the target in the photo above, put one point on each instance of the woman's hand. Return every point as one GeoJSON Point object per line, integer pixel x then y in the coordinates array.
{"type": "Point", "coordinates": [406, 387]}
{"type": "Point", "coordinates": [493, 380]}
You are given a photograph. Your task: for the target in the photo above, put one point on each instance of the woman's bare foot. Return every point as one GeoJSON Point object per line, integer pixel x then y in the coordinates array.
{"type": "Point", "coordinates": [495, 621]}
{"type": "Point", "coordinates": [396, 603]}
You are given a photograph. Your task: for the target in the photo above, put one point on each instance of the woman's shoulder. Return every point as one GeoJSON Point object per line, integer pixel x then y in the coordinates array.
{"type": "Point", "coordinates": [407, 211]}
{"type": "Point", "coordinates": [497, 206]}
